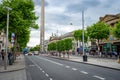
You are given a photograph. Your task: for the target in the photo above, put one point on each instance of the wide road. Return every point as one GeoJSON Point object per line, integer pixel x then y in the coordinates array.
{"type": "Point", "coordinates": [46, 68]}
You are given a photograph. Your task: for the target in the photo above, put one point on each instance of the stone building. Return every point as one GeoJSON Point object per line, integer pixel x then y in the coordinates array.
{"type": "Point", "coordinates": [111, 44]}
{"type": "Point", "coordinates": [55, 38]}
{"type": "Point", "coordinates": [3, 41]}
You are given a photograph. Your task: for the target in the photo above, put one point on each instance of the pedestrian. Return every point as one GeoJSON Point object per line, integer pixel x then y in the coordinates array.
{"type": "Point", "coordinates": [2, 54]}
{"type": "Point", "coordinates": [10, 58]}
{"type": "Point", "coordinates": [100, 54]}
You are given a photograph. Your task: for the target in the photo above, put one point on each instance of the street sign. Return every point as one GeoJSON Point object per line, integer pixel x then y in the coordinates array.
{"type": "Point", "coordinates": [12, 37]}
{"type": "Point", "coordinates": [111, 38]}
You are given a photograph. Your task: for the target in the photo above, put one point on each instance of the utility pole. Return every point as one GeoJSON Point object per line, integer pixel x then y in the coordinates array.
{"type": "Point", "coordinates": [42, 28]}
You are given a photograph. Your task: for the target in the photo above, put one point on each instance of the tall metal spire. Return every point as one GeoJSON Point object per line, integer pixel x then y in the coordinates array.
{"type": "Point", "coordinates": [42, 27]}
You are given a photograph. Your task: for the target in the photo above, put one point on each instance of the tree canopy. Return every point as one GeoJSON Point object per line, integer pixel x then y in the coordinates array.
{"type": "Point", "coordinates": [78, 35]}
{"type": "Point", "coordinates": [36, 48]}
{"type": "Point", "coordinates": [61, 45]}
{"type": "Point", "coordinates": [21, 19]}
{"type": "Point", "coordinates": [116, 30]}
{"type": "Point", "coordinates": [98, 31]}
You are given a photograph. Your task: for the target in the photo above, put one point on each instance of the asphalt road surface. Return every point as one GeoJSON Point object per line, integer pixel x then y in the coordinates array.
{"type": "Point", "coordinates": [46, 68]}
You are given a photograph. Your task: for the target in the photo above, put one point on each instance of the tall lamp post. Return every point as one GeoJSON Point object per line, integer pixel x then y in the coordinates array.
{"type": "Point", "coordinates": [84, 54]}
{"type": "Point", "coordinates": [8, 9]}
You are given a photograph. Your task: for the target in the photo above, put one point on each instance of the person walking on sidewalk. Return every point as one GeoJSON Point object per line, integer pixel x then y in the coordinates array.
{"type": "Point", "coordinates": [10, 58]}
{"type": "Point", "coordinates": [2, 54]}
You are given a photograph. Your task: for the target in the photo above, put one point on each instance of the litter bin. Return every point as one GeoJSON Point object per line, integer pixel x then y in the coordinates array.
{"type": "Point", "coordinates": [84, 57]}
{"type": "Point", "coordinates": [10, 58]}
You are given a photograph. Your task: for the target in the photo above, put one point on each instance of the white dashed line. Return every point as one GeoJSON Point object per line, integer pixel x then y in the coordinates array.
{"type": "Point", "coordinates": [40, 68]}
{"type": "Point", "coordinates": [51, 79]}
{"type": "Point", "coordinates": [101, 78]}
{"type": "Point", "coordinates": [47, 75]}
{"type": "Point", "coordinates": [84, 72]}
{"type": "Point", "coordinates": [43, 71]}
{"type": "Point", "coordinates": [67, 66]}
{"type": "Point", "coordinates": [50, 61]}
{"type": "Point", "coordinates": [74, 69]}
{"type": "Point", "coordinates": [31, 65]}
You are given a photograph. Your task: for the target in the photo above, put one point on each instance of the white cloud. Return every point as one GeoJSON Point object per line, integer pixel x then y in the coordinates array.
{"type": "Point", "coordinates": [60, 13]}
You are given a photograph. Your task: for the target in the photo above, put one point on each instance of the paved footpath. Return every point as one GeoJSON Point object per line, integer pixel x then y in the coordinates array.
{"type": "Point", "coordinates": [15, 71]}
{"type": "Point", "coordinates": [102, 62]}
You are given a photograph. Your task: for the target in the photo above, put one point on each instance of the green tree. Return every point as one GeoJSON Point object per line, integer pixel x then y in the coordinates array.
{"type": "Point", "coordinates": [78, 35]}
{"type": "Point", "coordinates": [60, 47]}
{"type": "Point", "coordinates": [116, 33]}
{"type": "Point", "coordinates": [22, 19]}
{"type": "Point", "coordinates": [116, 30]}
{"type": "Point", "coordinates": [52, 46]}
{"type": "Point", "coordinates": [68, 45]}
{"type": "Point", "coordinates": [36, 48]}
{"type": "Point", "coordinates": [98, 31]}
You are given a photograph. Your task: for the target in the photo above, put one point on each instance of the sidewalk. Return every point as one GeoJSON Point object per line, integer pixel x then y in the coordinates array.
{"type": "Point", "coordinates": [102, 62]}
{"type": "Point", "coordinates": [19, 64]}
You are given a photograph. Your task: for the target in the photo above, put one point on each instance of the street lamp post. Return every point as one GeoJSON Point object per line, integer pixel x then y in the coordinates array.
{"type": "Point", "coordinates": [84, 54]}
{"type": "Point", "coordinates": [8, 9]}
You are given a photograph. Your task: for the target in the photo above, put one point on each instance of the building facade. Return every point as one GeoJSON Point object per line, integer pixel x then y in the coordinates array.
{"type": "Point", "coordinates": [112, 44]}
{"type": "Point", "coordinates": [3, 41]}
{"type": "Point", "coordinates": [75, 43]}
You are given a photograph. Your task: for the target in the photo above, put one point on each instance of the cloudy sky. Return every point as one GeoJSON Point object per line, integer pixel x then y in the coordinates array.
{"type": "Point", "coordinates": [60, 13]}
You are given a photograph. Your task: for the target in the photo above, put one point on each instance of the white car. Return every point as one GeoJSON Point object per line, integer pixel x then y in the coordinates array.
{"type": "Point", "coordinates": [36, 53]}
{"type": "Point", "coordinates": [29, 54]}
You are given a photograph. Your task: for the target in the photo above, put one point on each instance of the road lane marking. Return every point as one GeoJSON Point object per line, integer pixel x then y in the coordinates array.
{"type": "Point", "coordinates": [67, 66]}
{"type": "Point", "coordinates": [50, 61]}
{"type": "Point", "coordinates": [84, 72]}
{"type": "Point", "coordinates": [31, 65]}
{"type": "Point", "coordinates": [74, 69]}
{"type": "Point", "coordinates": [34, 63]}
{"type": "Point", "coordinates": [43, 71]}
{"type": "Point", "coordinates": [40, 68]}
{"type": "Point", "coordinates": [101, 78]}
{"type": "Point", "coordinates": [47, 75]}
{"type": "Point", "coordinates": [51, 79]}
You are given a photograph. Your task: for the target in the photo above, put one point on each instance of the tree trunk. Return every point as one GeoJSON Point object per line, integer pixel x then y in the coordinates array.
{"type": "Point", "coordinates": [98, 47]}
{"type": "Point", "coordinates": [63, 54]}
{"type": "Point", "coordinates": [68, 54]}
